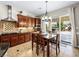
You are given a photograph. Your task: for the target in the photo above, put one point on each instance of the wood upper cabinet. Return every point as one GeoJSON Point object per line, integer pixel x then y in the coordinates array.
{"type": "Point", "coordinates": [24, 21]}
{"type": "Point", "coordinates": [27, 21]}
{"type": "Point", "coordinates": [38, 21]}
{"type": "Point", "coordinates": [21, 20]}
{"type": "Point", "coordinates": [38, 24]}
{"type": "Point", "coordinates": [33, 21]}
{"type": "Point", "coordinates": [30, 22]}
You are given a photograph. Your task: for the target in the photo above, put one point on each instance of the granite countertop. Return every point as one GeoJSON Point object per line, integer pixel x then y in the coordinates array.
{"type": "Point", "coordinates": [3, 48]}
{"type": "Point", "coordinates": [3, 33]}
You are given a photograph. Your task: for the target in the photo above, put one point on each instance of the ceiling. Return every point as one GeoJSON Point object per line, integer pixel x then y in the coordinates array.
{"type": "Point", "coordinates": [38, 7]}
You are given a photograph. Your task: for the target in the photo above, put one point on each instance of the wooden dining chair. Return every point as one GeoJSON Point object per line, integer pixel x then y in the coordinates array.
{"type": "Point", "coordinates": [41, 43]}
{"type": "Point", "coordinates": [56, 41]}
{"type": "Point", "coordinates": [34, 40]}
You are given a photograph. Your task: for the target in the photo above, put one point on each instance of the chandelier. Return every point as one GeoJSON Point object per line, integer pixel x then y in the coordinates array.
{"type": "Point", "coordinates": [45, 17]}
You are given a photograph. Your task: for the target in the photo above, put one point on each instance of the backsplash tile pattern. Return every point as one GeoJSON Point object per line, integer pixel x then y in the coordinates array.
{"type": "Point", "coordinates": [7, 26]}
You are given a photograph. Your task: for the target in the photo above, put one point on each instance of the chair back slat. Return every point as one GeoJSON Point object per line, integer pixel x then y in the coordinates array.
{"type": "Point", "coordinates": [34, 38]}
{"type": "Point", "coordinates": [57, 38]}
{"type": "Point", "coordinates": [40, 39]}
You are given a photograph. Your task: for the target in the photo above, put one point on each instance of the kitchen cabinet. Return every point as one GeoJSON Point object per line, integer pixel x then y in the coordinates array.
{"type": "Point", "coordinates": [27, 21]}
{"type": "Point", "coordinates": [30, 36]}
{"type": "Point", "coordinates": [33, 21]}
{"type": "Point", "coordinates": [5, 38]}
{"type": "Point", "coordinates": [30, 23]}
{"type": "Point", "coordinates": [16, 24]}
{"type": "Point", "coordinates": [27, 37]}
{"type": "Point", "coordinates": [21, 38]}
{"type": "Point", "coordinates": [37, 21]}
{"type": "Point", "coordinates": [38, 24]}
{"type": "Point", "coordinates": [21, 20]}
{"type": "Point", "coordinates": [14, 39]}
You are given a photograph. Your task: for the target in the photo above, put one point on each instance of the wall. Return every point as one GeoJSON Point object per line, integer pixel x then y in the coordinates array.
{"type": "Point", "coordinates": [3, 11]}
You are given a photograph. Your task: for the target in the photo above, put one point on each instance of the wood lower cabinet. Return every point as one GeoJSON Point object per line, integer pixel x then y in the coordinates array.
{"type": "Point", "coordinates": [21, 38]}
{"type": "Point", "coordinates": [5, 38]}
{"type": "Point", "coordinates": [14, 39]}
{"type": "Point", "coordinates": [30, 36]}
{"type": "Point", "coordinates": [27, 37]}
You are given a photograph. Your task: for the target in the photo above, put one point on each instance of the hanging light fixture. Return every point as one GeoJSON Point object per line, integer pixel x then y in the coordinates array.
{"type": "Point", "coordinates": [45, 17]}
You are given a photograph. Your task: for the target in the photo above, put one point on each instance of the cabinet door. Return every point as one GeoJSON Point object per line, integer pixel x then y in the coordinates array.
{"type": "Point", "coordinates": [5, 38]}
{"type": "Point", "coordinates": [26, 37]}
{"type": "Point", "coordinates": [29, 21]}
{"type": "Point", "coordinates": [19, 17]}
{"type": "Point", "coordinates": [14, 40]}
{"type": "Point", "coordinates": [38, 21]}
{"type": "Point", "coordinates": [21, 38]}
{"type": "Point", "coordinates": [30, 36]}
{"type": "Point", "coordinates": [33, 22]}
{"type": "Point", "coordinates": [21, 20]}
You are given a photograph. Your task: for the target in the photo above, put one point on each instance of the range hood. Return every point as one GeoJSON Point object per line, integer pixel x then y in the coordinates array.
{"type": "Point", "coordinates": [9, 17]}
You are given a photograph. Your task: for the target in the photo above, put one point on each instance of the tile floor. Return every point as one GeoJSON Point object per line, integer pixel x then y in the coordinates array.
{"type": "Point", "coordinates": [25, 50]}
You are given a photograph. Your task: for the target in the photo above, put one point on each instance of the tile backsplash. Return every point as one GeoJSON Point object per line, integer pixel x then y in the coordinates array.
{"type": "Point", "coordinates": [7, 26]}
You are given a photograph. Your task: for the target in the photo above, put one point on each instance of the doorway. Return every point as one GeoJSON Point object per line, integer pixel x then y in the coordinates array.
{"type": "Point", "coordinates": [65, 30]}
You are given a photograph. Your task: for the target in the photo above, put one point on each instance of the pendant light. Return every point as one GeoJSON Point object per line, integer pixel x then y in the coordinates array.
{"type": "Point", "coordinates": [45, 17]}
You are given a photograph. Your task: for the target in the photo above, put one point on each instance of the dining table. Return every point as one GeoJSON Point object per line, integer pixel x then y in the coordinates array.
{"type": "Point", "coordinates": [48, 37]}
